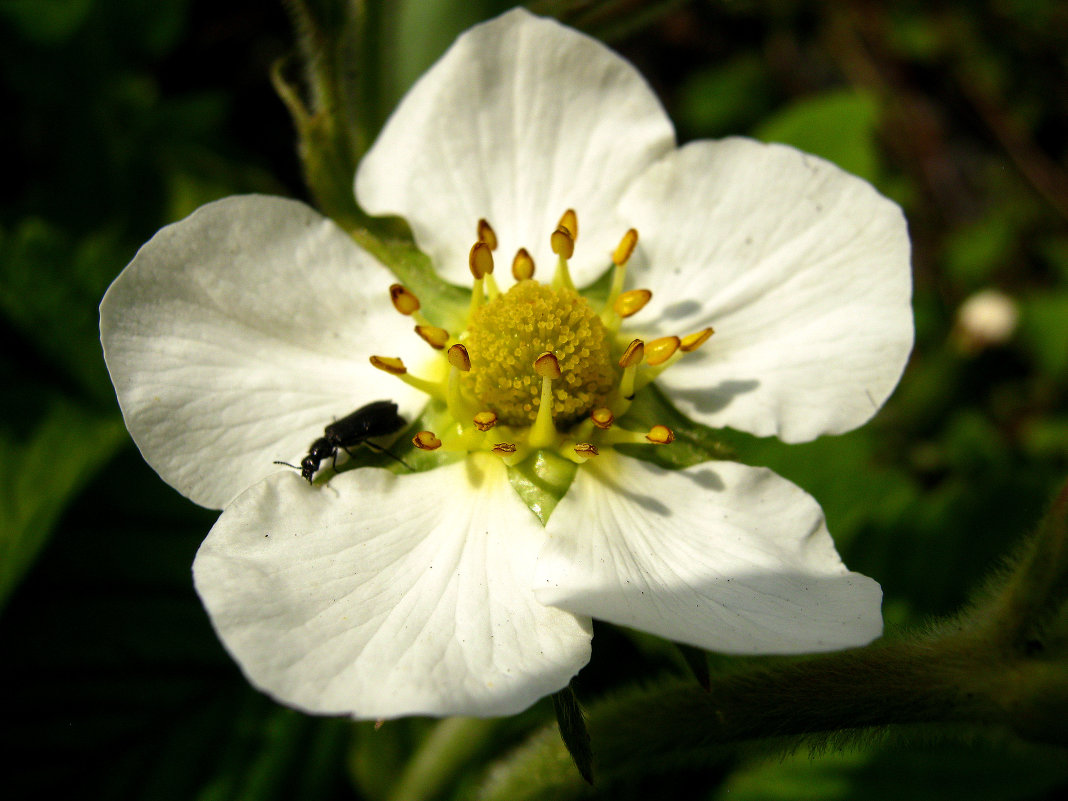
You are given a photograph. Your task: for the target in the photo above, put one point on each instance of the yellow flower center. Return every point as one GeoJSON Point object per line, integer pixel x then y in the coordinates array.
{"type": "Point", "coordinates": [506, 336]}
{"type": "Point", "coordinates": [537, 370]}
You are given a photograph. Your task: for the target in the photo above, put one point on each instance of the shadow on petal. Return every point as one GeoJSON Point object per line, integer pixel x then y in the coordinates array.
{"type": "Point", "coordinates": [718, 397]}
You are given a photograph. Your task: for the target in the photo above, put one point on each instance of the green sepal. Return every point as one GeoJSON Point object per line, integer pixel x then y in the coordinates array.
{"type": "Point", "coordinates": [541, 481]}
{"type": "Point", "coordinates": [694, 443]}
{"type": "Point", "coordinates": [573, 732]}
{"type": "Point", "coordinates": [443, 304]}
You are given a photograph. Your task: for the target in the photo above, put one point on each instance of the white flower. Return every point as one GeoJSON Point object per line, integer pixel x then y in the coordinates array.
{"type": "Point", "coordinates": [236, 334]}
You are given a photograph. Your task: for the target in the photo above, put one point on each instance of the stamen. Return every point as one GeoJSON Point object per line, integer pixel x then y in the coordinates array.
{"type": "Point", "coordinates": [581, 452]}
{"type": "Point", "coordinates": [543, 431]}
{"type": "Point", "coordinates": [569, 221]}
{"type": "Point", "coordinates": [660, 435]}
{"type": "Point", "coordinates": [630, 360]}
{"type": "Point", "coordinates": [404, 300]}
{"type": "Point", "coordinates": [660, 350]}
{"type": "Point", "coordinates": [459, 358]}
{"type": "Point", "coordinates": [563, 244]}
{"type": "Point", "coordinates": [660, 354]}
{"type": "Point", "coordinates": [426, 441]}
{"type": "Point", "coordinates": [510, 453]}
{"type": "Point", "coordinates": [480, 260]}
{"type": "Point", "coordinates": [487, 234]}
{"type": "Point", "coordinates": [657, 435]}
{"type": "Point", "coordinates": [632, 302]}
{"type": "Point", "coordinates": [602, 417]}
{"type": "Point", "coordinates": [620, 257]}
{"type": "Point", "coordinates": [390, 364]}
{"type": "Point", "coordinates": [394, 366]}
{"type": "Point", "coordinates": [484, 421]}
{"type": "Point", "coordinates": [522, 265]}
{"type": "Point", "coordinates": [460, 361]}
{"type": "Point", "coordinates": [633, 355]}
{"type": "Point", "coordinates": [695, 340]}
{"type": "Point", "coordinates": [476, 261]}
{"type": "Point", "coordinates": [435, 337]}
{"type": "Point", "coordinates": [547, 366]}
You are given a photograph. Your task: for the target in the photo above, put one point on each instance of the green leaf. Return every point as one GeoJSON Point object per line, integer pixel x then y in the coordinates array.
{"type": "Point", "coordinates": [40, 476]}
{"type": "Point", "coordinates": [839, 126]}
{"type": "Point", "coordinates": [724, 99]}
{"type": "Point", "coordinates": [1043, 330]}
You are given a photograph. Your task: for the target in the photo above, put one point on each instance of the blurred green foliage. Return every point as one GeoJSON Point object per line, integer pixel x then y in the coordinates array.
{"type": "Point", "coordinates": [121, 116]}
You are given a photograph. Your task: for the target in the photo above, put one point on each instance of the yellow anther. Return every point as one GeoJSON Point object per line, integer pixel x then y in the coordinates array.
{"type": "Point", "coordinates": [403, 299]}
{"type": "Point", "coordinates": [586, 449]}
{"type": "Point", "coordinates": [625, 248]}
{"type": "Point", "coordinates": [435, 337]}
{"type": "Point", "coordinates": [570, 222]}
{"type": "Point", "coordinates": [426, 441]}
{"type": "Point", "coordinates": [547, 366]}
{"type": "Point", "coordinates": [459, 358]}
{"type": "Point", "coordinates": [660, 350]}
{"type": "Point", "coordinates": [695, 340]}
{"type": "Point", "coordinates": [504, 447]}
{"type": "Point", "coordinates": [633, 355]}
{"type": "Point", "coordinates": [480, 260]}
{"type": "Point", "coordinates": [390, 364]}
{"type": "Point", "coordinates": [487, 234]}
{"type": "Point", "coordinates": [522, 265]}
{"type": "Point", "coordinates": [563, 243]}
{"type": "Point", "coordinates": [631, 302]}
{"type": "Point", "coordinates": [484, 421]}
{"type": "Point", "coordinates": [602, 417]}
{"type": "Point", "coordinates": [660, 435]}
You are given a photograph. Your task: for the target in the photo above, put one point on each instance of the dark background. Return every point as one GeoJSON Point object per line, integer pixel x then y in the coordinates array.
{"type": "Point", "coordinates": [120, 116]}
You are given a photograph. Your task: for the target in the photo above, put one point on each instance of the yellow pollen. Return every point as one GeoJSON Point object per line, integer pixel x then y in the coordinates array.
{"type": "Point", "coordinates": [660, 350]}
{"type": "Point", "coordinates": [522, 265]}
{"type": "Point", "coordinates": [390, 364]}
{"type": "Point", "coordinates": [487, 234]}
{"type": "Point", "coordinates": [480, 260]}
{"type": "Point", "coordinates": [602, 417]}
{"type": "Point", "coordinates": [435, 337]}
{"type": "Point", "coordinates": [632, 302]}
{"type": "Point", "coordinates": [660, 435]}
{"type": "Point", "coordinates": [625, 248]}
{"type": "Point", "coordinates": [504, 447]}
{"type": "Point", "coordinates": [563, 243]}
{"type": "Point", "coordinates": [426, 441]}
{"type": "Point", "coordinates": [484, 421]}
{"type": "Point", "coordinates": [459, 358]}
{"type": "Point", "coordinates": [507, 335]}
{"type": "Point", "coordinates": [570, 222]}
{"type": "Point", "coordinates": [586, 449]}
{"type": "Point", "coordinates": [403, 299]}
{"type": "Point", "coordinates": [633, 355]}
{"type": "Point", "coordinates": [695, 340]}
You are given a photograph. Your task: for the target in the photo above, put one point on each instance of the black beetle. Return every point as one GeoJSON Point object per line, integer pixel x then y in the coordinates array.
{"type": "Point", "coordinates": [373, 420]}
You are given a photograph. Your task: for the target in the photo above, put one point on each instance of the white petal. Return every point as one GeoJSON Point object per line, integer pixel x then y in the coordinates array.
{"type": "Point", "coordinates": [723, 556]}
{"type": "Point", "coordinates": [237, 334]}
{"type": "Point", "coordinates": [521, 119]}
{"type": "Point", "coordinates": [801, 268]}
{"type": "Point", "coordinates": [378, 595]}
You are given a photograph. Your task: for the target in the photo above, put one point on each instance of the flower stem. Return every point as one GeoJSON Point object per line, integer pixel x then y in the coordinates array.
{"type": "Point", "coordinates": [449, 747]}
